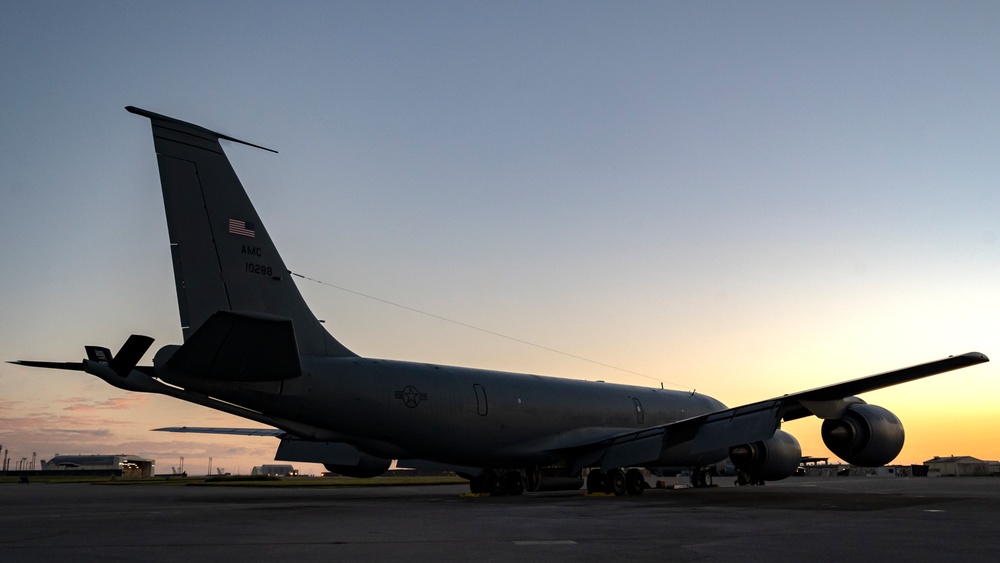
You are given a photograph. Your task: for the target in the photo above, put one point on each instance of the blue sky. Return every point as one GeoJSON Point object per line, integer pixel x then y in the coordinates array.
{"type": "Point", "coordinates": [744, 198]}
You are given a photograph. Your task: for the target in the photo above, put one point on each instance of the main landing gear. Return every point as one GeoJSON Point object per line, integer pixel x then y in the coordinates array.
{"type": "Point", "coordinates": [616, 481]}
{"type": "Point", "coordinates": [508, 482]}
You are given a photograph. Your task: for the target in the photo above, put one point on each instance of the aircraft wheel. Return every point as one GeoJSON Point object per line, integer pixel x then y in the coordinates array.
{"type": "Point", "coordinates": [595, 481]}
{"type": "Point", "coordinates": [513, 483]}
{"type": "Point", "coordinates": [635, 483]}
{"type": "Point", "coordinates": [494, 484]}
{"type": "Point", "coordinates": [614, 482]}
{"type": "Point", "coordinates": [701, 478]}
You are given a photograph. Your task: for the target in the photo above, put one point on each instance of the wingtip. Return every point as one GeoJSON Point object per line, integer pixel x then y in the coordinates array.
{"type": "Point", "coordinates": [973, 357]}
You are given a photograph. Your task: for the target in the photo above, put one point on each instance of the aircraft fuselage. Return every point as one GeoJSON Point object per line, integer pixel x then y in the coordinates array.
{"type": "Point", "coordinates": [402, 410]}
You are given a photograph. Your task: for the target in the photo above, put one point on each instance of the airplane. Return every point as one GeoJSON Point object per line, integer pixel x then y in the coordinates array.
{"type": "Point", "coordinates": [253, 348]}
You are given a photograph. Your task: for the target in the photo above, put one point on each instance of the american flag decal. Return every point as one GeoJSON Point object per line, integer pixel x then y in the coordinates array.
{"type": "Point", "coordinates": [241, 228]}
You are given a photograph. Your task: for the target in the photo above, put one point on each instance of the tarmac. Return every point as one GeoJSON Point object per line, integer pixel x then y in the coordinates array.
{"type": "Point", "coordinates": [798, 519]}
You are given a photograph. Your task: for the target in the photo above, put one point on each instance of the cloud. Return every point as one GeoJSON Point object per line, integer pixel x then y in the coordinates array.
{"type": "Point", "coordinates": [7, 404]}
{"type": "Point", "coordinates": [42, 431]}
{"type": "Point", "coordinates": [98, 433]}
{"type": "Point", "coordinates": [81, 404]}
{"type": "Point", "coordinates": [241, 451]}
{"type": "Point", "coordinates": [77, 424]}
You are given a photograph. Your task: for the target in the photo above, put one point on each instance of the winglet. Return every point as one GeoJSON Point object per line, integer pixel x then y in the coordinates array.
{"type": "Point", "coordinates": [164, 118]}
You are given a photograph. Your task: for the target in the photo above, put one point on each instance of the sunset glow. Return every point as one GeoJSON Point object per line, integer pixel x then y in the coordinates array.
{"type": "Point", "coordinates": [744, 199]}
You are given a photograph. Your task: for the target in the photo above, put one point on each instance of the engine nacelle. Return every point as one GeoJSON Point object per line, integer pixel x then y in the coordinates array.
{"type": "Point", "coordinates": [769, 460]}
{"type": "Point", "coordinates": [367, 466]}
{"type": "Point", "coordinates": [865, 435]}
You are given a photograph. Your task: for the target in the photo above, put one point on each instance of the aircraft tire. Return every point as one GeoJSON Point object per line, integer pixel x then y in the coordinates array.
{"type": "Point", "coordinates": [494, 484]}
{"type": "Point", "coordinates": [513, 483]}
{"type": "Point", "coordinates": [635, 483]}
{"type": "Point", "coordinates": [701, 478]}
{"type": "Point", "coordinates": [595, 481]}
{"type": "Point", "coordinates": [614, 482]}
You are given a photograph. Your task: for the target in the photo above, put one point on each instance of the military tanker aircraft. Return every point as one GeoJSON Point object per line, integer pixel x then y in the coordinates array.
{"type": "Point", "coordinates": [253, 348]}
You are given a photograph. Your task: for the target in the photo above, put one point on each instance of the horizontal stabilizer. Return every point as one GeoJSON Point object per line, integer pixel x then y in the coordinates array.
{"type": "Point", "coordinates": [240, 347]}
{"type": "Point", "coordinates": [122, 364]}
{"type": "Point", "coordinates": [74, 366]}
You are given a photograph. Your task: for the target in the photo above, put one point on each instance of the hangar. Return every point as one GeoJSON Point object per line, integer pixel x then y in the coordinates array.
{"type": "Point", "coordinates": [960, 466]}
{"type": "Point", "coordinates": [129, 465]}
{"type": "Point", "coordinates": [275, 470]}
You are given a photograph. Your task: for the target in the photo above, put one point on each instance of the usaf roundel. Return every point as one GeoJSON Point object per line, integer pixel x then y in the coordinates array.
{"type": "Point", "coordinates": [410, 396]}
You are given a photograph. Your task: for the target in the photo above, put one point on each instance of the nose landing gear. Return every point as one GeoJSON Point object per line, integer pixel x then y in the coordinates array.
{"type": "Point", "coordinates": [701, 478]}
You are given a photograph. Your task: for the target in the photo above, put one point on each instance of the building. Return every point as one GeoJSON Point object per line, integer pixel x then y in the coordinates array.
{"type": "Point", "coordinates": [845, 470]}
{"type": "Point", "coordinates": [128, 465]}
{"type": "Point", "coordinates": [275, 470]}
{"type": "Point", "coordinates": [960, 466]}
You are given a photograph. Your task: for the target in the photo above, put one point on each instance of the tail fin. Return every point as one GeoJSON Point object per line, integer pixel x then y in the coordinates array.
{"type": "Point", "coordinates": [223, 258]}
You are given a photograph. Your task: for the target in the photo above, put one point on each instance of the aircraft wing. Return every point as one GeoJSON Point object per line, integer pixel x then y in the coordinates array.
{"type": "Point", "coordinates": [273, 432]}
{"type": "Point", "coordinates": [755, 421]}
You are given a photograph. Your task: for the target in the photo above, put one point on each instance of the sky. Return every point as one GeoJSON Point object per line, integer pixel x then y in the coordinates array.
{"type": "Point", "coordinates": [743, 198]}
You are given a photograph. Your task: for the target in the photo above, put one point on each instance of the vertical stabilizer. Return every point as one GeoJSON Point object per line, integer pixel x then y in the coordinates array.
{"type": "Point", "coordinates": [223, 258]}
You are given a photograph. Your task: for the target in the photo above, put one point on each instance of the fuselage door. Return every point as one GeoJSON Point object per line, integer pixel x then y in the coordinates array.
{"type": "Point", "coordinates": [638, 410]}
{"type": "Point", "coordinates": [481, 406]}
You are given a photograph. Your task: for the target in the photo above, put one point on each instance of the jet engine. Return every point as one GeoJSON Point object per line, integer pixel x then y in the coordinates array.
{"type": "Point", "coordinates": [768, 460]}
{"type": "Point", "coordinates": [367, 466]}
{"type": "Point", "coordinates": [865, 435]}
